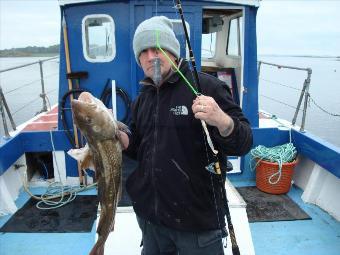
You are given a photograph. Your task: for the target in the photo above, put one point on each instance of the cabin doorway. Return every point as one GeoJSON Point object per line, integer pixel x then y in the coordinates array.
{"type": "Point", "coordinates": [222, 47]}
{"type": "Point", "coordinates": [222, 53]}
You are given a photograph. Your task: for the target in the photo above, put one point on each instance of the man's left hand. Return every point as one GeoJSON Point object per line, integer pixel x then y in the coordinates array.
{"type": "Point", "coordinates": [205, 108]}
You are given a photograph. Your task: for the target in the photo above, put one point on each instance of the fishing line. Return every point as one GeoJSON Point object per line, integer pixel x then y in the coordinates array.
{"type": "Point", "coordinates": [156, 7]}
{"type": "Point", "coordinates": [182, 36]}
{"type": "Point", "coordinates": [194, 72]}
{"type": "Point", "coordinates": [215, 201]}
{"type": "Point", "coordinates": [206, 133]}
{"type": "Point", "coordinates": [235, 248]}
{"type": "Point", "coordinates": [174, 65]}
{"type": "Point", "coordinates": [194, 91]}
{"type": "Point", "coordinates": [183, 41]}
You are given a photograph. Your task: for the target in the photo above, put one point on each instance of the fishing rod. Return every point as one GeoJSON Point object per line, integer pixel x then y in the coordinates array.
{"type": "Point", "coordinates": [235, 248]}
{"type": "Point", "coordinates": [178, 6]}
{"type": "Point", "coordinates": [191, 53]}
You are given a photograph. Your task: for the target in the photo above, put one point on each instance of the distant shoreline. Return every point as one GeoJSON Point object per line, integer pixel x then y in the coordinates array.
{"type": "Point", "coordinates": [51, 51]}
{"type": "Point", "coordinates": [260, 55]}
{"type": "Point", "coordinates": [30, 51]}
{"type": "Point", "coordinates": [298, 56]}
{"type": "Point", "coordinates": [31, 56]}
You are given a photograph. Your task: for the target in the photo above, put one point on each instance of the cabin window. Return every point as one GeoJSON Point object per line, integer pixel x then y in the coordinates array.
{"type": "Point", "coordinates": [208, 45]}
{"type": "Point", "coordinates": [99, 43]}
{"type": "Point", "coordinates": [212, 24]}
{"type": "Point", "coordinates": [180, 35]}
{"type": "Point", "coordinates": [234, 37]}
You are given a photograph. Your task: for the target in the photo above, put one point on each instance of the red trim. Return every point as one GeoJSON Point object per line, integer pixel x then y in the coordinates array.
{"type": "Point", "coordinates": [46, 122]}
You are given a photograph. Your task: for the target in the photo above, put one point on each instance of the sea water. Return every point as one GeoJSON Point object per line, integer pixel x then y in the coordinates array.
{"type": "Point", "coordinates": [22, 87]}
{"type": "Point", "coordinates": [279, 90]}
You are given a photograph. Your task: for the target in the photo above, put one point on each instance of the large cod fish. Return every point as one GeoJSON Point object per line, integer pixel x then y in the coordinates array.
{"type": "Point", "coordinates": [101, 131]}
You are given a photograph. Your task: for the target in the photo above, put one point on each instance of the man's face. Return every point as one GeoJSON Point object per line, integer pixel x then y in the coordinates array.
{"type": "Point", "coordinates": [146, 60]}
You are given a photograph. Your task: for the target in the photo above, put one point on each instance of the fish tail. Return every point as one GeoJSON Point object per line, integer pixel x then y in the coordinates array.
{"type": "Point", "coordinates": [97, 250]}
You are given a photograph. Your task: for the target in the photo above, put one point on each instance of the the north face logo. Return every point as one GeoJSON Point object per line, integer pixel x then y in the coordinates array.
{"type": "Point", "coordinates": [179, 110]}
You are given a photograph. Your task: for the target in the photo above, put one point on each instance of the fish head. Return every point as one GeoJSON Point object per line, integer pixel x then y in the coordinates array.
{"type": "Point", "coordinates": [93, 118]}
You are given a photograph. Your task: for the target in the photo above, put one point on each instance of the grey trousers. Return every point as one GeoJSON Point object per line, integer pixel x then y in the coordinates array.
{"type": "Point", "coordinates": [160, 240]}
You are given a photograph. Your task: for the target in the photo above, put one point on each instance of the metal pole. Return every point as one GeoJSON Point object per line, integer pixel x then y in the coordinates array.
{"type": "Point", "coordinates": [259, 69]}
{"type": "Point", "coordinates": [7, 109]}
{"type": "Point", "coordinates": [304, 91]}
{"type": "Point", "coordinates": [299, 103]}
{"type": "Point", "coordinates": [3, 116]}
{"type": "Point", "coordinates": [24, 65]}
{"type": "Point", "coordinates": [284, 66]}
{"type": "Point", "coordinates": [43, 94]}
{"type": "Point", "coordinates": [306, 100]}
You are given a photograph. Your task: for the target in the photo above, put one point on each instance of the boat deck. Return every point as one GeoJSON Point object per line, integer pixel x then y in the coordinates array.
{"type": "Point", "coordinates": [319, 236]}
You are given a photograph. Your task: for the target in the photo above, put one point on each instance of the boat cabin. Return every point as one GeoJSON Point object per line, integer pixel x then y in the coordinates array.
{"type": "Point", "coordinates": [98, 36]}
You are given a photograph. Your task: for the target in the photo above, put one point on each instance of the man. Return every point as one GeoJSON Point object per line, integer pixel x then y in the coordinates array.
{"type": "Point", "coordinates": [178, 202]}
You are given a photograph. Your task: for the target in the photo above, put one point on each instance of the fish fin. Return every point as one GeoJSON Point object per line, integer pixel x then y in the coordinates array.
{"type": "Point", "coordinates": [119, 194]}
{"type": "Point", "coordinates": [119, 191]}
{"type": "Point", "coordinates": [112, 228]}
{"type": "Point", "coordinates": [87, 162]}
{"type": "Point", "coordinates": [97, 250]}
{"type": "Point", "coordinates": [113, 225]}
{"type": "Point", "coordinates": [83, 156]}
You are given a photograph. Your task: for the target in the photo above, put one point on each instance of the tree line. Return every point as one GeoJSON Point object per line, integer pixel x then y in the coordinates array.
{"type": "Point", "coordinates": [30, 51]}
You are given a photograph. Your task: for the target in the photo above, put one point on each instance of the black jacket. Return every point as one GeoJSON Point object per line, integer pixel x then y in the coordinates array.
{"type": "Point", "coordinates": [171, 185]}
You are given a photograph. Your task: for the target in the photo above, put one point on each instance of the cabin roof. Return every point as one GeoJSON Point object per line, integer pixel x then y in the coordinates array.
{"type": "Point", "coordinates": [241, 2]}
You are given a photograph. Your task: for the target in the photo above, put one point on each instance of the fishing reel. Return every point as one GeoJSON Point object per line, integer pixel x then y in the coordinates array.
{"type": "Point", "coordinates": [214, 167]}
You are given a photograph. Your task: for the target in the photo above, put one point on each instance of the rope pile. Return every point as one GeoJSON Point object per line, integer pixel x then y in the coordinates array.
{"type": "Point", "coordinates": [280, 154]}
{"type": "Point", "coordinates": [56, 195]}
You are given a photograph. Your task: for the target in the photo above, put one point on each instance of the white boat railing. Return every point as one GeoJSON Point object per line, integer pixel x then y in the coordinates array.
{"type": "Point", "coordinates": [304, 92]}
{"type": "Point", "coordinates": [4, 109]}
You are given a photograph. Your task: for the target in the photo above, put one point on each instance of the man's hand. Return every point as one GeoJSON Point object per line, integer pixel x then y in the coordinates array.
{"type": "Point", "coordinates": [124, 139]}
{"type": "Point", "coordinates": [205, 108]}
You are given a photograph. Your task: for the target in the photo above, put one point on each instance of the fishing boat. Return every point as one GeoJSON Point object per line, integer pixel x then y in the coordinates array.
{"type": "Point", "coordinates": [96, 56]}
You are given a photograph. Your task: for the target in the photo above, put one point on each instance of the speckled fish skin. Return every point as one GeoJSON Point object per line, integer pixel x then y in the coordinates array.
{"type": "Point", "coordinates": [101, 131]}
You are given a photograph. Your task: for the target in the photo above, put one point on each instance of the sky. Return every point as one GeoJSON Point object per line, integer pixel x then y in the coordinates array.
{"type": "Point", "coordinates": [299, 27]}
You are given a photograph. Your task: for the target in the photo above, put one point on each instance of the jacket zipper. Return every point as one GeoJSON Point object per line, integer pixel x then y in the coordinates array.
{"type": "Point", "coordinates": [154, 152]}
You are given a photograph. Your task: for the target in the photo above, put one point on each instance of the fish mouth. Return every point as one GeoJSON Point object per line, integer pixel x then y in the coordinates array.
{"type": "Point", "coordinates": [84, 99]}
{"type": "Point", "coordinates": [83, 107]}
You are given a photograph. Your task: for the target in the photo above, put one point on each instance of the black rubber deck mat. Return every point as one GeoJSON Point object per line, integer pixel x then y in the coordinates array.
{"type": "Point", "coordinates": [76, 216]}
{"type": "Point", "coordinates": [262, 206]}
